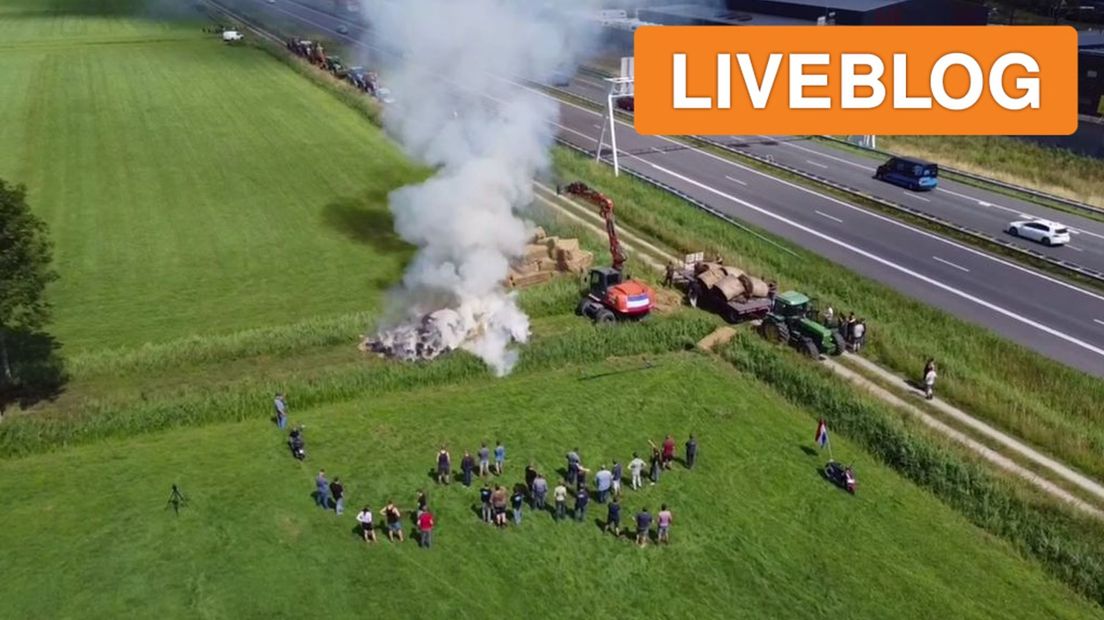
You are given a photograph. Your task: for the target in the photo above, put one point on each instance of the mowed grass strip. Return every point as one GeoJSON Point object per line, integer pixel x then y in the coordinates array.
{"type": "Point", "coordinates": [193, 188]}
{"type": "Point", "coordinates": [758, 533]}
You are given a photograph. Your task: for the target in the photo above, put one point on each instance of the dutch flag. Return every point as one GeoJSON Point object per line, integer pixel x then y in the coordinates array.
{"type": "Point", "coordinates": [635, 302]}
{"type": "Point", "coordinates": [821, 433]}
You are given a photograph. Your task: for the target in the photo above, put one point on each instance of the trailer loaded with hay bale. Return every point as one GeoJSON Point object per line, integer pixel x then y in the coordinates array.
{"type": "Point", "coordinates": [546, 257]}
{"type": "Point", "coordinates": [725, 290]}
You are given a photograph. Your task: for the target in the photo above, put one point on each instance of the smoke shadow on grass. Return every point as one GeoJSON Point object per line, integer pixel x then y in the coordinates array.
{"type": "Point", "coordinates": [38, 370]}
{"type": "Point", "coordinates": [360, 222]}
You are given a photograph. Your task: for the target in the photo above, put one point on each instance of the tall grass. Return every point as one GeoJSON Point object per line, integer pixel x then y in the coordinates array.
{"type": "Point", "coordinates": [581, 344]}
{"type": "Point", "coordinates": [1027, 394]}
{"type": "Point", "coordinates": [1070, 549]}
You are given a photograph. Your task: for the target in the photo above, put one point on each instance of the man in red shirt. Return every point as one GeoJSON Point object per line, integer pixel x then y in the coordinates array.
{"type": "Point", "coordinates": [668, 451]}
{"type": "Point", "coordinates": [425, 526]}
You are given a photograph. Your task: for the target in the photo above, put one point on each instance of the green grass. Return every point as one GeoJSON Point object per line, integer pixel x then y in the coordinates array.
{"type": "Point", "coordinates": [758, 533]}
{"type": "Point", "coordinates": [1032, 397]}
{"type": "Point", "coordinates": [190, 187]}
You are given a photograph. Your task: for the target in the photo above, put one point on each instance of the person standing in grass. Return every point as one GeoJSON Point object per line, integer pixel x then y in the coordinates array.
{"type": "Point", "coordinates": [337, 490]}
{"type": "Point", "coordinates": [613, 517]}
{"type": "Point", "coordinates": [572, 466]}
{"type": "Point", "coordinates": [580, 476]}
{"type": "Point", "coordinates": [484, 460]}
{"type": "Point", "coordinates": [500, 457]}
{"type": "Point", "coordinates": [691, 451]}
{"type": "Point", "coordinates": [615, 479]}
{"type": "Point", "coordinates": [559, 494]}
{"type": "Point", "coordinates": [516, 502]}
{"type": "Point", "coordinates": [467, 467]}
{"type": "Point", "coordinates": [367, 529]}
{"type": "Point", "coordinates": [540, 491]}
{"type": "Point", "coordinates": [530, 476]}
{"type": "Point", "coordinates": [322, 490]}
{"type": "Point", "coordinates": [636, 468]}
{"type": "Point", "coordinates": [603, 480]}
{"type": "Point", "coordinates": [425, 528]}
{"type": "Point", "coordinates": [498, 503]}
{"type": "Point", "coordinates": [485, 496]}
{"type": "Point", "coordinates": [657, 462]}
{"type": "Point", "coordinates": [581, 501]}
{"type": "Point", "coordinates": [643, 526]}
{"type": "Point", "coordinates": [444, 466]}
{"type": "Point", "coordinates": [393, 516]}
{"type": "Point", "coordinates": [280, 403]}
{"type": "Point", "coordinates": [929, 383]}
{"type": "Point", "coordinates": [668, 451]}
{"type": "Point", "coordinates": [423, 502]}
{"type": "Point", "coordinates": [663, 521]}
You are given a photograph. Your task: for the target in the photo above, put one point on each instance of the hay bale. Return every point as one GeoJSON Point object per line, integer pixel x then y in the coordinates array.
{"type": "Point", "coordinates": [547, 264]}
{"type": "Point", "coordinates": [702, 267]}
{"type": "Point", "coordinates": [551, 243]}
{"type": "Point", "coordinates": [709, 278]}
{"type": "Point", "coordinates": [525, 268]}
{"type": "Point", "coordinates": [579, 265]}
{"type": "Point", "coordinates": [754, 286]}
{"type": "Point", "coordinates": [729, 287]}
{"type": "Point", "coordinates": [732, 271]}
{"type": "Point", "coordinates": [571, 255]}
{"type": "Point", "coordinates": [531, 279]}
{"type": "Point", "coordinates": [535, 252]}
{"type": "Point", "coordinates": [720, 336]}
{"type": "Point", "coordinates": [539, 235]}
{"type": "Point", "coordinates": [567, 245]}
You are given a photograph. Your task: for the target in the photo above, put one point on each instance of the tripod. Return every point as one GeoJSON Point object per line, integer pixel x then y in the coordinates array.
{"type": "Point", "coordinates": [176, 500]}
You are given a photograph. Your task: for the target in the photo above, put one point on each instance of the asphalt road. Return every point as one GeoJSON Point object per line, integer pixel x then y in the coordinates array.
{"type": "Point", "coordinates": [965, 205]}
{"type": "Point", "coordinates": [1043, 313]}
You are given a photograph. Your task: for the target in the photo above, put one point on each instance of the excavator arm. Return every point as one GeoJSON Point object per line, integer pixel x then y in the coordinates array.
{"type": "Point", "coordinates": [605, 209]}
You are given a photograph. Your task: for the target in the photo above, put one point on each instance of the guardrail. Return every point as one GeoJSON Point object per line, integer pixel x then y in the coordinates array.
{"type": "Point", "coordinates": [1074, 204]}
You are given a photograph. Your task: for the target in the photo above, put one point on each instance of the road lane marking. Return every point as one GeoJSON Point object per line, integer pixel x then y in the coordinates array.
{"type": "Point", "coordinates": [597, 126]}
{"type": "Point", "coordinates": [831, 217]}
{"type": "Point", "coordinates": [947, 262]}
{"type": "Point", "coordinates": [1098, 321]}
{"type": "Point", "coordinates": [657, 150]}
{"type": "Point", "coordinates": [736, 180]}
{"type": "Point", "coordinates": [917, 196]}
{"type": "Point", "coordinates": [818, 165]}
{"type": "Point", "coordinates": [1074, 248]}
{"type": "Point", "coordinates": [886, 262]}
{"type": "Point", "coordinates": [818, 153]}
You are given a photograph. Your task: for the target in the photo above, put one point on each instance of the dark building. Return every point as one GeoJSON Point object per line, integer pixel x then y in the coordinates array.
{"type": "Point", "coordinates": [841, 12]}
{"type": "Point", "coordinates": [1090, 73]}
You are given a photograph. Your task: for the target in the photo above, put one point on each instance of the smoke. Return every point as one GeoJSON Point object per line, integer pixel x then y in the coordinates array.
{"type": "Point", "coordinates": [455, 71]}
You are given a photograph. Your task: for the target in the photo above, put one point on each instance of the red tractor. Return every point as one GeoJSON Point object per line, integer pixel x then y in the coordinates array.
{"type": "Point", "coordinates": [610, 296]}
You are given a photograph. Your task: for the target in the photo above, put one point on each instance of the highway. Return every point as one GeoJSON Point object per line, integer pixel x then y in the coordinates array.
{"type": "Point", "coordinates": [1057, 319]}
{"type": "Point", "coordinates": [966, 205]}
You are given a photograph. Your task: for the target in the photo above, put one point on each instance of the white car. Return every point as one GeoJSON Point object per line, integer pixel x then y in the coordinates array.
{"type": "Point", "coordinates": [1046, 233]}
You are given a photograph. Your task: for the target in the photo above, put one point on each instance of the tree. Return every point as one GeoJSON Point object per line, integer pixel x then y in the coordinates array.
{"type": "Point", "coordinates": [25, 256]}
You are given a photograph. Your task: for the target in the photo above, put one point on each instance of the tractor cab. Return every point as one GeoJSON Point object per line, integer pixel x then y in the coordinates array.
{"type": "Point", "coordinates": [792, 321]}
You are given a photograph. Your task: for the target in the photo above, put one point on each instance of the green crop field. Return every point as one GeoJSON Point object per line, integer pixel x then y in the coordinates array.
{"type": "Point", "coordinates": [758, 532]}
{"type": "Point", "coordinates": [190, 187]}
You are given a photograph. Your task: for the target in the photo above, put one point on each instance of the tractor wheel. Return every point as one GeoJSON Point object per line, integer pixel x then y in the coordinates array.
{"type": "Point", "coordinates": [581, 309]}
{"type": "Point", "coordinates": [841, 345]}
{"type": "Point", "coordinates": [731, 316]}
{"type": "Point", "coordinates": [808, 347]}
{"type": "Point", "coordinates": [769, 330]}
{"type": "Point", "coordinates": [783, 333]}
{"type": "Point", "coordinates": [605, 317]}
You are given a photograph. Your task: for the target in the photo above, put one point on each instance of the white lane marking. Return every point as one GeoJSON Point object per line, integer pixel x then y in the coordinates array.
{"type": "Point", "coordinates": [985, 204]}
{"type": "Point", "coordinates": [831, 217]}
{"type": "Point", "coordinates": [591, 83]}
{"type": "Point", "coordinates": [852, 207]}
{"type": "Point", "coordinates": [1075, 232]}
{"type": "Point", "coordinates": [1074, 248]}
{"type": "Point", "coordinates": [947, 262]}
{"type": "Point", "coordinates": [819, 154]}
{"type": "Point", "coordinates": [596, 126]}
{"type": "Point", "coordinates": [1027, 217]}
{"type": "Point", "coordinates": [886, 262]}
{"type": "Point", "coordinates": [657, 150]}
{"type": "Point", "coordinates": [917, 196]}
{"type": "Point", "coordinates": [1098, 321]}
{"type": "Point", "coordinates": [736, 181]}
{"type": "Point", "coordinates": [817, 164]}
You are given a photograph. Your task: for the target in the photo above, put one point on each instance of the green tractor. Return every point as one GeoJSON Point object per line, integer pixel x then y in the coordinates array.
{"type": "Point", "coordinates": [792, 321]}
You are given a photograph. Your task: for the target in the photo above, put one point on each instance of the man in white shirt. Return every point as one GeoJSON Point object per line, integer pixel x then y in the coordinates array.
{"type": "Point", "coordinates": [636, 466]}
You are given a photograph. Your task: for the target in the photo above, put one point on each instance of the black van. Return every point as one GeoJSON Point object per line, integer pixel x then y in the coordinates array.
{"type": "Point", "coordinates": [915, 174]}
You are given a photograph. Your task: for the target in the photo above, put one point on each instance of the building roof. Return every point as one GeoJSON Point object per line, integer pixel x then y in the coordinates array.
{"type": "Point", "coordinates": [844, 5]}
{"type": "Point", "coordinates": [721, 16]}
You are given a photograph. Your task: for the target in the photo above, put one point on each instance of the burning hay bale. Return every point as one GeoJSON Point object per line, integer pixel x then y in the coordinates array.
{"type": "Point", "coordinates": [437, 332]}
{"type": "Point", "coordinates": [545, 257]}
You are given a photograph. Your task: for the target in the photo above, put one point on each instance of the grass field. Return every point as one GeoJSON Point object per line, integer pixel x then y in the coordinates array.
{"type": "Point", "coordinates": [190, 187]}
{"type": "Point", "coordinates": [758, 533]}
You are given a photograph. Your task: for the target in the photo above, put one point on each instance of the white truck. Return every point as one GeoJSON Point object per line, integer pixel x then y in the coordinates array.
{"type": "Point", "coordinates": [231, 36]}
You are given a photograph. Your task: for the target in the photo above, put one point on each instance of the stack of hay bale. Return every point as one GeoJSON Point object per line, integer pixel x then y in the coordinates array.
{"type": "Point", "coordinates": [544, 257]}
{"type": "Point", "coordinates": [729, 283]}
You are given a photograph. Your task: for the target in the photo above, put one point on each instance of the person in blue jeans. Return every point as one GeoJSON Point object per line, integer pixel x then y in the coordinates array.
{"type": "Point", "coordinates": [516, 502]}
{"type": "Point", "coordinates": [322, 488]}
{"type": "Point", "coordinates": [581, 501]}
{"type": "Point", "coordinates": [280, 403]}
{"type": "Point", "coordinates": [500, 457]}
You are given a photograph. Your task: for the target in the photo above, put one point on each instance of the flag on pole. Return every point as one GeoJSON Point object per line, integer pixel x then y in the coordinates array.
{"type": "Point", "coordinates": [821, 433]}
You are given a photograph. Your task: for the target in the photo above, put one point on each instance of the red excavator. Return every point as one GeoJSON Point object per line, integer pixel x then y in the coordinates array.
{"type": "Point", "coordinates": [611, 297]}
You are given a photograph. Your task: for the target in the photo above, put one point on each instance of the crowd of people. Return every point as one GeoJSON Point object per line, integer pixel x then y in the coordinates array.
{"type": "Point", "coordinates": [852, 329]}
{"type": "Point", "coordinates": [500, 505]}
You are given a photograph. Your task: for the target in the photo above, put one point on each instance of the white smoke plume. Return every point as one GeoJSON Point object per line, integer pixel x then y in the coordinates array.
{"type": "Point", "coordinates": [456, 72]}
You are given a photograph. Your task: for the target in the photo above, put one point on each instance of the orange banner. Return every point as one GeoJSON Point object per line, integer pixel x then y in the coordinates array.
{"type": "Point", "coordinates": [853, 80]}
